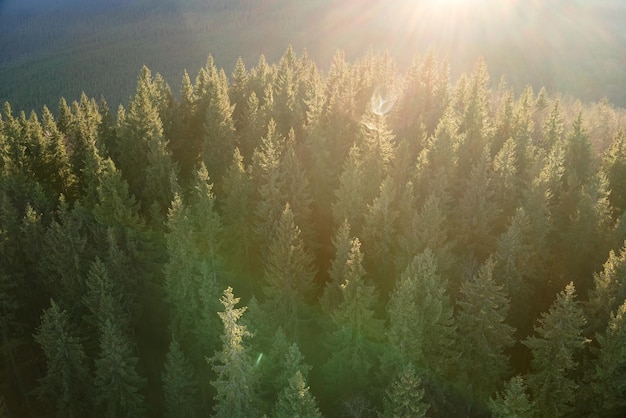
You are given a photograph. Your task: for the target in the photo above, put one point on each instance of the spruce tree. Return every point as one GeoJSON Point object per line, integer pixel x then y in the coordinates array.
{"type": "Point", "coordinates": [421, 326]}
{"type": "Point", "coordinates": [404, 399]}
{"type": "Point", "coordinates": [296, 400]}
{"type": "Point", "coordinates": [609, 383]}
{"type": "Point", "coordinates": [513, 401]}
{"type": "Point", "coordinates": [559, 338]}
{"type": "Point", "coordinates": [483, 334]}
{"type": "Point", "coordinates": [118, 385]}
{"type": "Point", "coordinates": [66, 383]}
{"type": "Point", "coordinates": [235, 381]}
{"type": "Point", "coordinates": [609, 291]}
{"type": "Point", "coordinates": [288, 278]}
{"type": "Point", "coordinates": [340, 267]}
{"type": "Point", "coordinates": [194, 269]}
{"type": "Point", "coordinates": [237, 208]}
{"type": "Point", "coordinates": [179, 384]}
{"type": "Point", "coordinates": [355, 341]}
{"type": "Point", "coordinates": [216, 113]}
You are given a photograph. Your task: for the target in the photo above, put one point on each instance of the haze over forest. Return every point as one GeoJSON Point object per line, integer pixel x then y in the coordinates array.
{"type": "Point", "coordinates": [61, 48]}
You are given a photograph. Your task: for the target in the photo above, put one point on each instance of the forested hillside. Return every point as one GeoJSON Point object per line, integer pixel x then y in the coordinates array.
{"type": "Point", "coordinates": [283, 241]}
{"type": "Point", "coordinates": [50, 49]}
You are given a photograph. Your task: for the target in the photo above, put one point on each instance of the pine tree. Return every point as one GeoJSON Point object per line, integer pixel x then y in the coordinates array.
{"type": "Point", "coordinates": [179, 384]}
{"type": "Point", "coordinates": [237, 208]}
{"type": "Point", "coordinates": [296, 400]}
{"type": "Point", "coordinates": [614, 165]}
{"type": "Point", "coordinates": [421, 326]}
{"type": "Point", "coordinates": [103, 300]}
{"type": "Point", "coordinates": [483, 334]}
{"type": "Point", "coordinates": [194, 270]}
{"type": "Point", "coordinates": [216, 111]}
{"type": "Point", "coordinates": [559, 340]}
{"type": "Point", "coordinates": [609, 291]}
{"type": "Point", "coordinates": [143, 155]}
{"type": "Point", "coordinates": [404, 398]}
{"type": "Point", "coordinates": [235, 381]}
{"type": "Point", "coordinates": [354, 343]}
{"type": "Point", "coordinates": [342, 265]}
{"type": "Point", "coordinates": [270, 185]}
{"type": "Point", "coordinates": [288, 278]}
{"type": "Point", "coordinates": [609, 383]}
{"type": "Point", "coordinates": [513, 401]}
{"type": "Point", "coordinates": [118, 385]}
{"type": "Point", "coordinates": [66, 382]}
{"type": "Point", "coordinates": [379, 233]}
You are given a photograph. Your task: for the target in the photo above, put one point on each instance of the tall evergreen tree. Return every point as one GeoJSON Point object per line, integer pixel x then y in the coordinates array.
{"type": "Point", "coordinates": [235, 381]}
{"type": "Point", "coordinates": [559, 338]}
{"type": "Point", "coordinates": [404, 398]}
{"type": "Point", "coordinates": [296, 400]}
{"type": "Point", "coordinates": [179, 384]}
{"type": "Point", "coordinates": [341, 267]}
{"type": "Point", "coordinates": [194, 269]}
{"type": "Point", "coordinates": [237, 209]}
{"type": "Point", "coordinates": [66, 383]}
{"type": "Point", "coordinates": [117, 383]}
{"type": "Point", "coordinates": [483, 334]}
{"type": "Point", "coordinates": [288, 278]}
{"type": "Point", "coordinates": [354, 343]}
{"type": "Point", "coordinates": [421, 326]}
{"type": "Point", "coordinates": [609, 291]}
{"type": "Point", "coordinates": [216, 113]}
{"type": "Point", "coordinates": [609, 380]}
{"type": "Point", "coordinates": [513, 401]}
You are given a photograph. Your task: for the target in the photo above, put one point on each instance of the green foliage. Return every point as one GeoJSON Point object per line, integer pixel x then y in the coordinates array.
{"type": "Point", "coordinates": [179, 384]}
{"type": "Point", "coordinates": [421, 326]}
{"type": "Point", "coordinates": [404, 398]}
{"type": "Point", "coordinates": [117, 383]}
{"type": "Point", "coordinates": [483, 334]}
{"type": "Point", "coordinates": [194, 270]}
{"type": "Point", "coordinates": [288, 278]}
{"type": "Point", "coordinates": [296, 400]}
{"type": "Point", "coordinates": [463, 196]}
{"type": "Point", "coordinates": [609, 383]}
{"type": "Point", "coordinates": [354, 342]}
{"type": "Point", "coordinates": [559, 338]}
{"type": "Point", "coordinates": [235, 377]}
{"type": "Point", "coordinates": [66, 383]}
{"type": "Point", "coordinates": [513, 401]}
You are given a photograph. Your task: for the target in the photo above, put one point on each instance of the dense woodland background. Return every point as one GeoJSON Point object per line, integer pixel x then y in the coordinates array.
{"type": "Point", "coordinates": [50, 49]}
{"type": "Point", "coordinates": [358, 242]}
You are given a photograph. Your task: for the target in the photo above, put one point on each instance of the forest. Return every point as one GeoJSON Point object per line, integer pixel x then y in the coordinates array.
{"type": "Point", "coordinates": [282, 241]}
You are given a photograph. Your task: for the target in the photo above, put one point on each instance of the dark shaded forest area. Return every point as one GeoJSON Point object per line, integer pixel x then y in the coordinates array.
{"type": "Point", "coordinates": [286, 242]}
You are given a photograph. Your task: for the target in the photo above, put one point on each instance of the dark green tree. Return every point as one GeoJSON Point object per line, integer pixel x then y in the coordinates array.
{"type": "Point", "coordinates": [118, 385]}
{"type": "Point", "coordinates": [296, 400]}
{"type": "Point", "coordinates": [179, 384]}
{"type": "Point", "coordinates": [288, 278]}
{"type": "Point", "coordinates": [513, 401]}
{"type": "Point", "coordinates": [614, 165]}
{"type": "Point", "coordinates": [355, 341]}
{"type": "Point", "coordinates": [609, 383]}
{"type": "Point", "coordinates": [421, 327]}
{"type": "Point", "coordinates": [237, 209]}
{"type": "Point", "coordinates": [342, 266]}
{"type": "Point", "coordinates": [483, 334]}
{"type": "Point", "coordinates": [404, 398]}
{"type": "Point", "coordinates": [559, 338]}
{"type": "Point", "coordinates": [193, 272]}
{"type": "Point", "coordinates": [235, 376]}
{"type": "Point", "coordinates": [67, 382]}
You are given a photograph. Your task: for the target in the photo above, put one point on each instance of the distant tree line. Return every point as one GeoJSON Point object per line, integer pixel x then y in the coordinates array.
{"type": "Point", "coordinates": [285, 242]}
